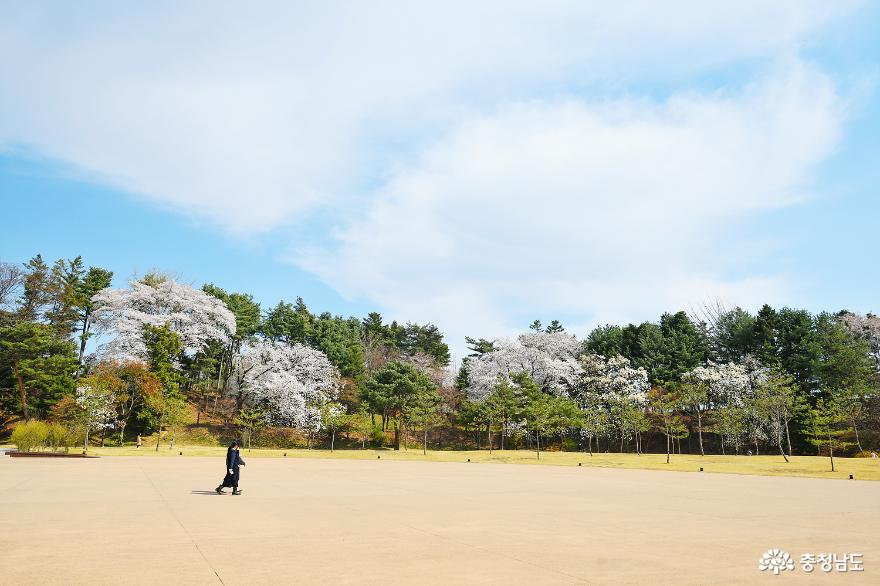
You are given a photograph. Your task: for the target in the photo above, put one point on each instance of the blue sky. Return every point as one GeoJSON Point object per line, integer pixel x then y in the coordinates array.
{"type": "Point", "coordinates": [473, 167]}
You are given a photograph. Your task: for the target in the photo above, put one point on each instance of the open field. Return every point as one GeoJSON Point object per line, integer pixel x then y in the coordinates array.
{"type": "Point", "coordinates": [773, 465]}
{"type": "Point", "coordinates": [155, 520]}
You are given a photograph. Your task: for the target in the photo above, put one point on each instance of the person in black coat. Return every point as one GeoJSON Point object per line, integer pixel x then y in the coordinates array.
{"type": "Point", "coordinates": [233, 461]}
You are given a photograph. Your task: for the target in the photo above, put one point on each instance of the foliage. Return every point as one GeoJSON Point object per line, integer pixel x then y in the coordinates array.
{"type": "Point", "coordinates": [30, 435]}
{"type": "Point", "coordinates": [250, 420]}
{"type": "Point", "coordinates": [287, 381]}
{"type": "Point", "coordinates": [549, 359]}
{"type": "Point", "coordinates": [826, 428]}
{"type": "Point", "coordinates": [42, 365]}
{"type": "Point", "coordinates": [193, 315]}
{"type": "Point", "coordinates": [394, 390]}
{"type": "Point", "coordinates": [59, 437]}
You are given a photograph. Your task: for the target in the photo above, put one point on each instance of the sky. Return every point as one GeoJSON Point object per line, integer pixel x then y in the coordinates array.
{"type": "Point", "coordinates": [473, 165]}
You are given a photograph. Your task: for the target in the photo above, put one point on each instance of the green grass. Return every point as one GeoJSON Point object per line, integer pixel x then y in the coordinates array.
{"type": "Point", "coordinates": [809, 466]}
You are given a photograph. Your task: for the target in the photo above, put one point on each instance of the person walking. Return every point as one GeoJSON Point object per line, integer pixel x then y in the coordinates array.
{"type": "Point", "coordinates": [139, 442]}
{"type": "Point", "coordinates": [233, 461]}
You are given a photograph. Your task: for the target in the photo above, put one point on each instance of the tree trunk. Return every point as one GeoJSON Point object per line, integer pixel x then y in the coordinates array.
{"type": "Point", "coordinates": [667, 446]}
{"type": "Point", "coordinates": [831, 452]}
{"type": "Point", "coordinates": [103, 434]}
{"type": "Point", "coordinates": [700, 431]}
{"type": "Point", "coordinates": [538, 444]}
{"type": "Point", "coordinates": [781, 451]}
{"type": "Point", "coordinates": [122, 434]}
{"type": "Point", "coordinates": [787, 437]}
{"type": "Point", "coordinates": [722, 446]}
{"type": "Point", "coordinates": [21, 391]}
{"type": "Point", "coordinates": [83, 338]}
{"type": "Point", "coordinates": [856, 430]}
{"type": "Point", "coordinates": [86, 441]}
{"type": "Point", "coordinates": [489, 433]}
{"type": "Point", "coordinates": [396, 436]}
{"type": "Point", "coordinates": [332, 439]}
{"type": "Point", "coordinates": [425, 444]}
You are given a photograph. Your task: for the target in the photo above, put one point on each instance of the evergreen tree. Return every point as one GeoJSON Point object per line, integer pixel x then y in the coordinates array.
{"type": "Point", "coordinates": [42, 364]}
{"type": "Point", "coordinates": [733, 336]}
{"type": "Point", "coordinates": [555, 327]}
{"type": "Point", "coordinates": [765, 336]}
{"type": "Point", "coordinates": [606, 341]}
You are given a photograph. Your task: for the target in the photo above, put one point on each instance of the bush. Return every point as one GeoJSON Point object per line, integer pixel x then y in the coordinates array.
{"type": "Point", "coordinates": [569, 445]}
{"type": "Point", "coordinates": [59, 437]}
{"type": "Point", "coordinates": [30, 435]}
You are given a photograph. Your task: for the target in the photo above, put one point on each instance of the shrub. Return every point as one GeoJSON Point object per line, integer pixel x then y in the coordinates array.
{"type": "Point", "coordinates": [569, 445]}
{"type": "Point", "coordinates": [59, 437]}
{"type": "Point", "coordinates": [30, 435]}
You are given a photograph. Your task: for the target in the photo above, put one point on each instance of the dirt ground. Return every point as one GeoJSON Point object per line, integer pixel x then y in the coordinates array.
{"type": "Point", "coordinates": [156, 520]}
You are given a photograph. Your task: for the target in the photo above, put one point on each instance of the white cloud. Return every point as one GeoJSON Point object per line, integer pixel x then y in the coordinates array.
{"type": "Point", "coordinates": [501, 187]}
{"type": "Point", "coordinates": [574, 208]}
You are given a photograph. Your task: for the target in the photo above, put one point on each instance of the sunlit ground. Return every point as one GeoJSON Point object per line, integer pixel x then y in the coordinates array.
{"type": "Point", "coordinates": [340, 520]}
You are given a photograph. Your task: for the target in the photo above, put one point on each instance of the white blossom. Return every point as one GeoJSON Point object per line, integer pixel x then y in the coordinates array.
{"type": "Point", "coordinates": [550, 359]}
{"type": "Point", "coordinates": [193, 314]}
{"type": "Point", "coordinates": [293, 380]}
{"type": "Point", "coordinates": [729, 383]}
{"type": "Point", "coordinates": [613, 378]}
{"type": "Point", "coordinates": [864, 326]}
{"type": "Point", "coordinates": [97, 407]}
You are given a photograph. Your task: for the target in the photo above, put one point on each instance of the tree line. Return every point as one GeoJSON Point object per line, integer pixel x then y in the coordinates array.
{"type": "Point", "coordinates": [155, 352]}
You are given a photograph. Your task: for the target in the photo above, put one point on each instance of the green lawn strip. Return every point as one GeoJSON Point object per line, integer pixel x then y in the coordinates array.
{"type": "Point", "coordinates": [804, 466]}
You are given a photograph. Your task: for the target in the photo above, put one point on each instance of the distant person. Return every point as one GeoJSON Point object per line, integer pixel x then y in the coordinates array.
{"type": "Point", "coordinates": [874, 455]}
{"type": "Point", "coordinates": [139, 442]}
{"type": "Point", "coordinates": [233, 461]}
{"type": "Point", "coordinates": [171, 447]}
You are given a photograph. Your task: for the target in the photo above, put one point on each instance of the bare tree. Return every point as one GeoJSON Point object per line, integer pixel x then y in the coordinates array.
{"type": "Point", "coordinates": [708, 312]}
{"type": "Point", "coordinates": [11, 278]}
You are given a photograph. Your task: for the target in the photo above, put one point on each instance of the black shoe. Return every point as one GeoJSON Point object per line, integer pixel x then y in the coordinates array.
{"type": "Point", "coordinates": [219, 490]}
{"type": "Point", "coordinates": [236, 492]}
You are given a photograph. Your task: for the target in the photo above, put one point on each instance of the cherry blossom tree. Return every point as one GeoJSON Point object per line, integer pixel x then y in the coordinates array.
{"type": "Point", "coordinates": [291, 381]}
{"type": "Point", "coordinates": [864, 326]}
{"type": "Point", "coordinates": [97, 410]}
{"type": "Point", "coordinates": [612, 393]}
{"type": "Point", "coordinates": [728, 384]}
{"type": "Point", "coordinates": [550, 359]}
{"type": "Point", "coordinates": [190, 313]}
{"type": "Point", "coordinates": [613, 378]}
